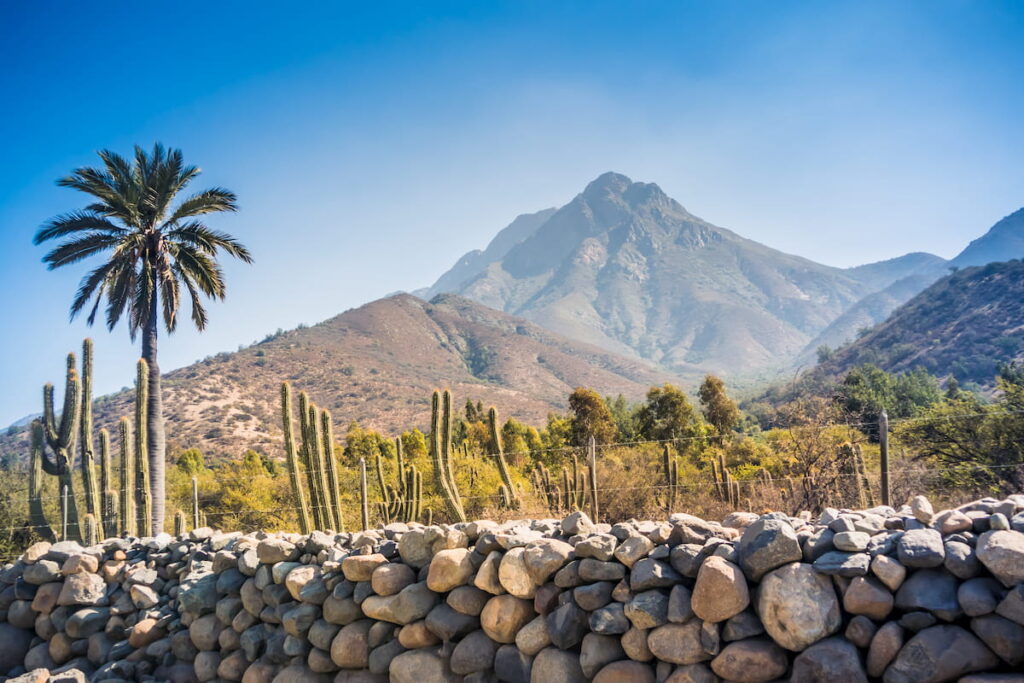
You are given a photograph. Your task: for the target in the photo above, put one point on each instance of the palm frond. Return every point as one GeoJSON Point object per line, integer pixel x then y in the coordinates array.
{"type": "Point", "coordinates": [75, 250]}
{"type": "Point", "coordinates": [93, 283]}
{"type": "Point", "coordinates": [199, 318]}
{"type": "Point", "coordinates": [76, 221]}
{"type": "Point", "coordinates": [208, 241]}
{"type": "Point", "coordinates": [118, 294]}
{"type": "Point", "coordinates": [202, 270]}
{"type": "Point", "coordinates": [213, 200]}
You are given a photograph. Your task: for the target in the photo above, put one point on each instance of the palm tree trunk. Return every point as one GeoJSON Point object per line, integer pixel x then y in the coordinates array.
{"type": "Point", "coordinates": [156, 441]}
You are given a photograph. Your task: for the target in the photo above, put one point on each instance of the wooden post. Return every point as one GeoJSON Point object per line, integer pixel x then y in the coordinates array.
{"type": "Point", "coordinates": [64, 513]}
{"type": "Point", "coordinates": [883, 442]}
{"type": "Point", "coordinates": [592, 464]}
{"type": "Point", "coordinates": [364, 504]}
{"type": "Point", "coordinates": [195, 503]}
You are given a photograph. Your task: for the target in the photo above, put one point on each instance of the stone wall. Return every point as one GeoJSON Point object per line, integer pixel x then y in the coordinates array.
{"type": "Point", "coordinates": [904, 595]}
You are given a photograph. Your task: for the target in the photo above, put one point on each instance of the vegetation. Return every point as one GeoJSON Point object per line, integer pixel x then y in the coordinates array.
{"type": "Point", "coordinates": [155, 249]}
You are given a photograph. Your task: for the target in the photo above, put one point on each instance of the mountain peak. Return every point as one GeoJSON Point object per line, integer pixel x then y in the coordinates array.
{"type": "Point", "coordinates": [1003, 241]}
{"type": "Point", "coordinates": [607, 183]}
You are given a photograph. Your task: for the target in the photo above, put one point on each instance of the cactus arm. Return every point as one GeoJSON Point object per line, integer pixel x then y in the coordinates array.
{"type": "Point", "coordinates": [88, 460]}
{"type": "Point", "coordinates": [440, 439]}
{"type": "Point", "coordinates": [35, 484]}
{"type": "Point", "coordinates": [127, 501]}
{"type": "Point", "coordinates": [144, 496]}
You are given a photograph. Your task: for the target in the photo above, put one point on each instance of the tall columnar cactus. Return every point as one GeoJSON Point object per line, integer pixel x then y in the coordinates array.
{"type": "Point", "coordinates": [35, 484]}
{"type": "Point", "coordinates": [542, 484]}
{"type": "Point", "coordinates": [670, 469]}
{"type": "Point", "coordinates": [333, 480]}
{"type": "Point", "coordinates": [499, 456]}
{"type": "Point", "coordinates": [394, 505]}
{"type": "Point", "coordinates": [110, 512]}
{"type": "Point", "coordinates": [440, 453]}
{"type": "Point", "coordinates": [128, 519]}
{"type": "Point", "coordinates": [60, 437]}
{"type": "Point", "coordinates": [87, 461]}
{"type": "Point", "coordinates": [180, 523]}
{"type": "Point", "coordinates": [364, 503]}
{"type": "Point", "coordinates": [292, 458]}
{"type": "Point", "coordinates": [90, 529]}
{"type": "Point", "coordinates": [307, 454]}
{"type": "Point", "coordinates": [143, 493]}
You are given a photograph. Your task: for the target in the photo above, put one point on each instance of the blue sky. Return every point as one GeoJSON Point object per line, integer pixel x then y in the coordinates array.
{"type": "Point", "coordinates": [371, 146]}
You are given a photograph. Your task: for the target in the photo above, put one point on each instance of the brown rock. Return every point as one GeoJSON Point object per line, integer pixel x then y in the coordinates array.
{"type": "Point", "coordinates": [449, 569]}
{"type": "Point", "coordinates": [866, 595]}
{"type": "Point", "coordinates": [417, 635]}
{"type": "Point", "coordinates": [360, 567]}
{"type": "Point", "coordinates": [720, 592]}
{"type": "Point", "coordinates": [350, 649]}
{"type": "Point", "coordinates": [678, 643]}
{"type": "Point", "coordinates": [751, 660]}
{"type": "Point", "coordinates": [389, 579]}
{"type": "Point", "coordinates": [625, 672]}
{"type": "Point", "coordinates": [504, 615]}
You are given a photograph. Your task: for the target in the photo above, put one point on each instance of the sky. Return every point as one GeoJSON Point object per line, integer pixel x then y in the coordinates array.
{"type": "Point", "coordinates": [372, 144]}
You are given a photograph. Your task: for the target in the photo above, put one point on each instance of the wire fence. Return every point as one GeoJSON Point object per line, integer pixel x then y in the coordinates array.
{"type": "Point", "coordinates": [816, 486]}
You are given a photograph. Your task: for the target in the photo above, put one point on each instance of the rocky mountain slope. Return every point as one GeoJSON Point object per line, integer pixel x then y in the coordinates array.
{"type": "Point", "coordinates": [378, 364]}
{"type": "Point", "coordinates": [1003, 241]}
{"type": "Point", "coordinates": [626, 267]}
{"type": "Point", "coordinates": [963, 325]}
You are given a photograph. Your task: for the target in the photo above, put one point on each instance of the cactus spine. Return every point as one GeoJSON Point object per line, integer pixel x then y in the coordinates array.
{"type": "Point", "coordinates": [143, 499]}
{"type": "Point", "coordinates": [440, 453]}
{"type": "Point", "coordinates": [128, 519]}
{"type": "Point", "coordinates": [305, 523]}
{"type": "Point", "coordinates": [499, 455]}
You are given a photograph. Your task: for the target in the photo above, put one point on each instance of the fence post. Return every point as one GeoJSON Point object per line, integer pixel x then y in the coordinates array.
{"type": "Point", "coordinates": [364, 504]}
{"type": "Point", "coordinates": [592, 465]}
{"type": "Point", "coordinates": [883, 443]}
{"type": "Point", "coordinates": [195, 503]}
{"type": "Point", "coordinates": [64, 513]}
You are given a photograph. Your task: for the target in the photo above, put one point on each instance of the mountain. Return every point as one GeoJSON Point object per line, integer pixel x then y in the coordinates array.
{"type": "Point", "coordinates": [1004, 240]}
{"type": "Point", "coordinates": [626, 267]}
{"type": "Point", "coordinates": [883, 274]}
{"type": "Point", "coordinates": [476, 261]}
{"type": "Point", "coordinates": [378, 364]}
{"type": "Point", "coordinates": [964, 325]}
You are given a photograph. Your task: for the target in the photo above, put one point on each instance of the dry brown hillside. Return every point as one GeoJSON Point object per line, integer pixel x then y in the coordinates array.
{"type": "Point", "coordinates": [378, 364]}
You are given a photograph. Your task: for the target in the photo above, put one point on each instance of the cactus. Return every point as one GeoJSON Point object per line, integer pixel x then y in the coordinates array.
{"type": "Point", "coordinates": [333, 483]}
{"type": "Point", "coordinates": [499, 455]}
{"type": "Point", "coordinates": [60, 437]}
{"type": "Point", "coordinates": [180, 523]}
{"type": "Point", "coordinates": [128, 519]}
{"type": "Point", "coordinates": [110, 512]}
{"type": "Point", "coordinates": [440, 453]}
{"type": "Point", "coordinates": [143, 494]}
{"type": "Point", "coordinates": [364, 506]}
{"type": "Point", "coordinates": [395, 504]}
{"type": "Point", "coordinates": [89, 529]}
{"type": "Point", "coordinates": [305, 522]}
{"type": "Point", "coordinates": [195, 503]}
{"type": "Point", "coordinates": [670, 467]}
{"type": "Point", "coordinates": [428, 517]}
{"type": "Point", "coordinates": [35, 484]}
{"type": "Point", "coordinates": [542, 484]}
{"type": "Point", "coordinates": [87, 460]}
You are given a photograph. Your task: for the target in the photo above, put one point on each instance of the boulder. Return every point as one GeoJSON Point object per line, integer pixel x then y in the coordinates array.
{"type": "Point", "coordinates": [678, 643]}
{"type": "Point", "coordinates": [832, 659]}
{"type": "Point", "coordinates": [1002, 553]}
{"type": "Point", "coordinates": [798, 606]}
{"type": "Point", "coordinates": [766, 544]}
{"type": "Point", "coordinates": [720, 592]}
{"type": "Point", "coordinates": [552, 664]}
{"type": "Point", "coordinates": [940, 653]}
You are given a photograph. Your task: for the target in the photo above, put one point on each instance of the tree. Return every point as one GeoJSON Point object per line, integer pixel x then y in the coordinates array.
{"type": "Point", "coordinates": [153, 249]}
{"type": "Point", "coordinates": [590, 418]}
{"type": "Point", "coordinates": [867, 390]}
{"type": "Point", "coordinates": [719, 410]}
{"type": "Point", "coordinates": [191, 461]}
{"type": "Point", "coordinates": [668, 414]}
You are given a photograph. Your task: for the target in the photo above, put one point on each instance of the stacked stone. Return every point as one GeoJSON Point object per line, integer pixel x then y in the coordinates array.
{"type": "Point", "coordinates": [880, 594]}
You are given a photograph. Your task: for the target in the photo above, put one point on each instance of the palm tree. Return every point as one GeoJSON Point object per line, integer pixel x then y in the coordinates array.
{"type": "Point", "coordinates": [152, 249]}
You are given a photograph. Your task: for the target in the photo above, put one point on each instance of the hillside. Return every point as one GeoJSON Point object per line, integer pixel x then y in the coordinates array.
{"type": "Point", "coordinates": [963, 325]}
{"type": "Point", "coordinates": [626, 267]}
{"type": "Point", "coordinates": [1004, 240]}
{"type": "Point", "coordinates": [378, 364]}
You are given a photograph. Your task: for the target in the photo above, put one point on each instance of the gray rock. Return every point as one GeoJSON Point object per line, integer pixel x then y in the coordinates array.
{"type": "Point", "coordinates": [767, 544]}
{"type": "Point", "coordinates": [597, 651]}
{"type": "Point", "coordinates": [838, 563]}
{"type": "Point", "coordinates": [832, 659]}
{"type": "Point", "coordinates": [567, 626]}
{"type": "Point", "coordinates": [649, 573]}
{"type": "Point", "coordinates": [473, 653]}
{"type": "Point", "coordinates": [885, 644]}
{"type": "Point", "coordinates": [931, 590]}
{"type": "Point", "coordinates": [648, 609]}
{"type": "Point", "coordinates": [817, 544]}
{"type": "Point", "coordinates": [979, 596]}
{"type": "Point", "coordinates": [743, 625]}
{"type": "Point", "coordinates": [421, 666]}
{"type": "Point", "coordinates": [552, 664]}
{"type": "Point", "coordinates": [512, 666]}
{"type": "Point", "coordinates": [940, 653]}
{"type": "Point", "coordinates": [680, 608]}
{"type": "Point", "coordinates": [851, 541]}
{"type": "Point", "coordinates": [16, 644]}
{"type": "Point", "coordinates": [1012, 606]}
{"type": "Point", "coordinates": [961, 560]}
{"type": "Point", "coordinates": [756, 659]}
{"type": "Point", "coordinates": [1002, 636]}
{"type": "Point", "coordinates": [920, 548]}
{"type": "Point", "coordinates": [798, 606]}
{"type": "Point", "coordinates": [1002, 553]}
